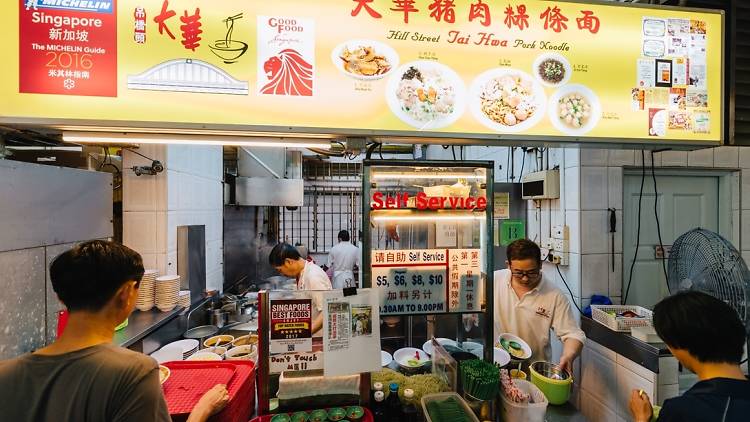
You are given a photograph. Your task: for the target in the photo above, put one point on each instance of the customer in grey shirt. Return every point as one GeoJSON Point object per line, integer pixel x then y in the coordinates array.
{"type": "Point", "coordinates": [83, 377]}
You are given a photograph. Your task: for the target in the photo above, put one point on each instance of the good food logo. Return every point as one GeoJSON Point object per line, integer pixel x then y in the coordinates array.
{"type": "Point", "coordinates": [74, 5]}
{"type": "Point", "coordinates": [283, 25]}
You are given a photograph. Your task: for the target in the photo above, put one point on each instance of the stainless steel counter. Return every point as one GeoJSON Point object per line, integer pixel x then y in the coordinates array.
{"type": "Point", "coordinates": [645, 354]}
{"type": "Point", "coordinates": [141, 324]}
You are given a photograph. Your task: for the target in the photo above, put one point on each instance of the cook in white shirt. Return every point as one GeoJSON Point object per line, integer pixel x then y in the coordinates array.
{"type": "Point", "coordinates": [287, 260]}
{"type": "Point", "coordinates": [342, 259]}
{"type": "Point", "coordinates": [529, 306]}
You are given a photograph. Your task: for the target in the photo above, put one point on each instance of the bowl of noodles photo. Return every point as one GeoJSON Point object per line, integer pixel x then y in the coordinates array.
{"type": "Point", "coordinates": [552, 69]}
{"type": "Point", "coordinates": [574, 109]}
{"type": "Point", "coordinates": [507, 100]}
{"type": "Point", "coordinates": [426, 94]}
{"type": "Point", "coordinates": [365, 60]}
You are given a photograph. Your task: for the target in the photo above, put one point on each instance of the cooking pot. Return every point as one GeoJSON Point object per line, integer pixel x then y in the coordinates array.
{"type": "Point", "coordinates": [219, 318]}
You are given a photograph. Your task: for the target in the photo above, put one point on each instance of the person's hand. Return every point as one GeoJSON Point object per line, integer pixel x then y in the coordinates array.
{"type": "Point", "coordinates": [640, 406]}
{"type": "Point", "coordinates": [214, 400]}
{"type": "Point", "coordinates": [566, 364]}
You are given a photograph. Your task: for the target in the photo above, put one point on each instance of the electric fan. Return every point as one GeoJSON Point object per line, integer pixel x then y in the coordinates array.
{"type": "Point", "coordinates": [703, 260]}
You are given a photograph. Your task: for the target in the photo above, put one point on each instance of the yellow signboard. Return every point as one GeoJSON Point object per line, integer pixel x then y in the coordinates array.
{"type": "Point", "coordinates": [466, 68]}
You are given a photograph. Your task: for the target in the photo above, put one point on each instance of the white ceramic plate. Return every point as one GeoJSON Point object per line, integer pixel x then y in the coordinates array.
{"type": "Point", "coordinates": [427, 346]}
{"type": "Point", "coordinates": [593, 100]}
{"type": "Point", "coordinates": [186, 345]}
{"type": "Point", "coordinates": [450, 77]}
{"type": "Point", "coordinates": [519, 340]}
{"type": "Point", "coordinates": [379, 49]}
{"type": "Point", "coordinates": [167, 353]}
{"type": "Point", "coordinates": [559, 58]}
{"type": "Point", "coordinates": [402, 357]}
{"type": "Point", "coordinates": [500, 356]}
{"type": "Point", "coordinates": [385, 358]}
{"type": "Point", "coordinates": [538, 98]}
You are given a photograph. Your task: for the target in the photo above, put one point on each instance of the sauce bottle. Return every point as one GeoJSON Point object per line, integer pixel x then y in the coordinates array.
{"type": "Point", "coordinates": [378, 407]}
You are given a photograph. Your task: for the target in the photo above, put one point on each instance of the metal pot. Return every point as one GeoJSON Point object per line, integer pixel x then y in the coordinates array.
{"type": "Point", "coordinates": [219, 318]}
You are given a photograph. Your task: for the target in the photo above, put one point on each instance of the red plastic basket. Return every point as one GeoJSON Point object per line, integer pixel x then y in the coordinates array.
{"type": "Point", "coordinates": [189, 380]}
{"type": "Point", "coordinates": [366, 418]}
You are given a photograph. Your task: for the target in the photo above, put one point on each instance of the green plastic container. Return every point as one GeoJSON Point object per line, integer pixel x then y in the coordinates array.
{"type": "Point", "coordinates": [556, 391]}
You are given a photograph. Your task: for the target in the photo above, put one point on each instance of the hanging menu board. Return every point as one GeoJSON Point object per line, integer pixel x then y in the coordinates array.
{"type": "Point", "coordinates": [523, 68]}
{"type": "Point", "coordinates": [427, 281]}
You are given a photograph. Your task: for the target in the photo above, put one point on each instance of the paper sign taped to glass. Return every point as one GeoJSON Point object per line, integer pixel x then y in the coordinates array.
{"type": "Point", "coordinates": [351, 333]}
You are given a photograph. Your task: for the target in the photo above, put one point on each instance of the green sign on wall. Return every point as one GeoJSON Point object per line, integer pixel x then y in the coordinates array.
{"type": "Point", "coordinates": [511, 230]}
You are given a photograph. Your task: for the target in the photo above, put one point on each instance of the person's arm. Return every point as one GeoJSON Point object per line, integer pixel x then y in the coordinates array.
{"type": "Point", "coordinates": [571, 350]}
{"type": "Point", "coordinates": [567, 329]}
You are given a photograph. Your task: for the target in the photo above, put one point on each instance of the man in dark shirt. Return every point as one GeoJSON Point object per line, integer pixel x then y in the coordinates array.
{"type": "Point", "coordinates": [707, 337]}
{"type": "Point", "coordinates": [83, 377]}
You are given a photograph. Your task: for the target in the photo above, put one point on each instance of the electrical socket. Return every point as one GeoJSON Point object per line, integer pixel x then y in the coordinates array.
{"type": "Point", "coordinates": [561, 245]}
{"type": "Point", "coordinates": [547, 244]}
{"type": "Point", "coordinates": [560, 232]}
{"type": "Point", "coordinates": [564, 259]}
{"type": "Point", "coordinates": [558, 258]}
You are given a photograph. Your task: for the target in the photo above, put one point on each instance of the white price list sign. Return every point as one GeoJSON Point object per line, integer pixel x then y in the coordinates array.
{"type": "Point", "coordinates": [417, 281]}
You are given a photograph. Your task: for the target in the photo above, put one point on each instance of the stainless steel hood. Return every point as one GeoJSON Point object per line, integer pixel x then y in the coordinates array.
{"type": "Point", "coordinates": [269, 177]}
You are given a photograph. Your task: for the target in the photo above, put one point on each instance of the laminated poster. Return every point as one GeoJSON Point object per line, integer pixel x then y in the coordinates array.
{"type": "Point", "coordinates": [351, 333]}
{"type": "Point", "coordinates": [291, 324]}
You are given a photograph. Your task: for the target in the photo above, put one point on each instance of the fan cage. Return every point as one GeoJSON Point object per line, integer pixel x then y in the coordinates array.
{"type": "Point", "coordinates": [703, 260]}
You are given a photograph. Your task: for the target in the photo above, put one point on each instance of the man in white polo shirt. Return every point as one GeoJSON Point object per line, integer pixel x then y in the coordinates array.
{"type": "Point", "coordinates": [529, 306]}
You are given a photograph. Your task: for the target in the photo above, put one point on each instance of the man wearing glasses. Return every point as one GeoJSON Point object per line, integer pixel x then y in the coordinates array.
{"type": "Point", "coordinates": [528, 305]}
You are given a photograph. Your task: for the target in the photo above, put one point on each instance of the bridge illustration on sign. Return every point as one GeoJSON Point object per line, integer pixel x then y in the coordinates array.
{"type": "Point", "coordinates": [188, 75]}
{"type": "Point", "coordinates": [289, 74]}
{"type": "Point", "coordinates": [228, 49]}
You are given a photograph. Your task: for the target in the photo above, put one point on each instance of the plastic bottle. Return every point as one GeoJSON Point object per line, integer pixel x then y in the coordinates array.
{"type": "Point", "coordinates": [378, 407]}
{"type": "Point", "coordinates": [393, 404]}
{"type": "Point", "coordinates": [409, 410]}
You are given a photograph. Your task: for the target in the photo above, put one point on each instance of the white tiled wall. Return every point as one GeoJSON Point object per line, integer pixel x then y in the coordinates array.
{"type": "Point", "coordinates": [188, 192]}
{"type": "Point", "coordinates": [591, 183]}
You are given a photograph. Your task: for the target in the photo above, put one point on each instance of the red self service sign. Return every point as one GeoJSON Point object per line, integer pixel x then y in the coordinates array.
{"type": "Point", "coordinates": [68, 47]}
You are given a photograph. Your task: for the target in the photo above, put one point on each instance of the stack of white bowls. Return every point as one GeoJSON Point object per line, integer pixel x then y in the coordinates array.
{"type": "Point", "coordinates": [167, 291]}
{"type": "Point", "coordinates": [184, 299]}
{"type": "Point", "coordinates": [145, 300]}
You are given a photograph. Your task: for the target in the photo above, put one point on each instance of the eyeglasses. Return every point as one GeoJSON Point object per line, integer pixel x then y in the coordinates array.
{"type": "Point", "coordinates": [531, 274]}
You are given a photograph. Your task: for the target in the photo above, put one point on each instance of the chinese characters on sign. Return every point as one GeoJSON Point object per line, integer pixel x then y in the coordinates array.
{"type": "Point", "coordinates": [425, 281]}
{"type": "Point", "coordinates": [553, 18]}
{"type": "Point", "coordinates": [68, 49]}
{"type": "Point", "coordinates": [139, 26]}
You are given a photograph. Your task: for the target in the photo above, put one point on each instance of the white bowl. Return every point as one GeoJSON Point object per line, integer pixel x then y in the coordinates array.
{"type": "Point", "coordinates": [204, 356]}
{"type": "Point", "coordinates": [249, 352]}
{"type": "Point", "coordinates": [554, 56]}
{"type": "Point", "coordinates": [385, 358]}
{"type": "Point", "coordinates": [475, 349]}
{"type": "Point", "coordinates": [427, 346]}
{"type": "Point", "coordinates": [402, 357]}
{"type": "Point", "coordinates": [500, 356]}
{"type": "Point", "coordinates": [519, 340]}
{"type": "Point", "coordinates": [589, 95]}
{"type": "Point", "coordinates": [220, 340]}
